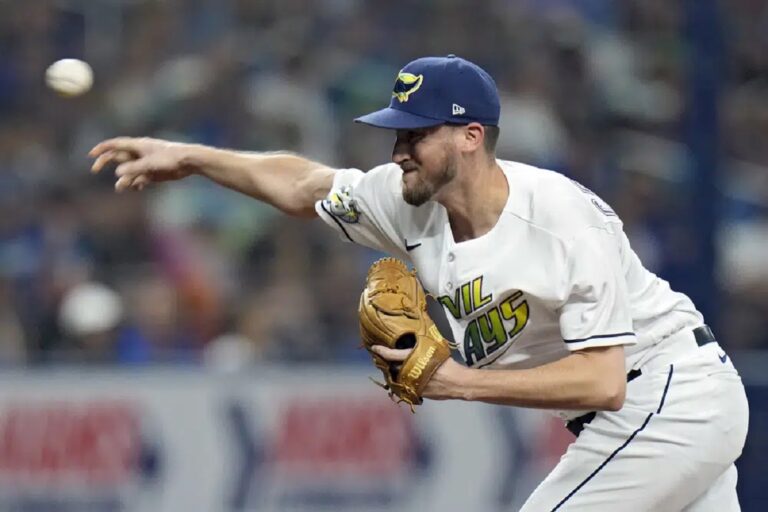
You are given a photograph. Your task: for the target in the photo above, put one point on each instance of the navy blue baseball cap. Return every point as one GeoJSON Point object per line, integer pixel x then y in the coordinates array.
{"type": "Point", "coordinates": [436, 90]}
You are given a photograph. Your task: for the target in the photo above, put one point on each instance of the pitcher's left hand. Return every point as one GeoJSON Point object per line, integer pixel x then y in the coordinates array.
{"type": "Point", "coordinates": [445, 384]}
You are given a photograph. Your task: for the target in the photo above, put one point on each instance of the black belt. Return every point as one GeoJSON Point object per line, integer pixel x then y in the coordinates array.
{"type": "Point", "coordinates": [703, 336]}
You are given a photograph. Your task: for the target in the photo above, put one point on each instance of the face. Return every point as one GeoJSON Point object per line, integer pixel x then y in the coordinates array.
{"type": "Point", "coordinates": [428, 158]}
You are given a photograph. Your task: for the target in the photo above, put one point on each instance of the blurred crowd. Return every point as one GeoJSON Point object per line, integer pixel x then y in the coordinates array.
{"type": "Point", "coordinates": [189, 272]}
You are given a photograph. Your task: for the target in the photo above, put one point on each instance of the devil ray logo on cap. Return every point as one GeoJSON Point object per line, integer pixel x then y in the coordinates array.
{"type": "Point", "coordinates": [405, 85]}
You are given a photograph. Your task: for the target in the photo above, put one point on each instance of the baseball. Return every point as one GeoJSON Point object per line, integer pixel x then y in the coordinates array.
{"type": "Point", "coordinates": [69, 77]}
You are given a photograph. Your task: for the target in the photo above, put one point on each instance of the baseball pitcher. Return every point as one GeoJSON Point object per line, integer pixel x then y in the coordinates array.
{"type": "Point", "coordinates": [549, 305]}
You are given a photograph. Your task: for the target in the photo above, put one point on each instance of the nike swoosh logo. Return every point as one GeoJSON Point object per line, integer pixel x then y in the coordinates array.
{"type": "Point", "coordinates": [723, 358]}
{"type": "Point", "coordinates": [409, 247]}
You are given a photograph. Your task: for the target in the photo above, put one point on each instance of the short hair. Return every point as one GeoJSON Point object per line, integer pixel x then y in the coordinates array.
{"type": "Point", "coordinates": [491, 138]}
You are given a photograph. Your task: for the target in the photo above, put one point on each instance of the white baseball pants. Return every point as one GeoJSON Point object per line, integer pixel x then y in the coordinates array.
{"type": "Point", "coordinates": [670, 448]}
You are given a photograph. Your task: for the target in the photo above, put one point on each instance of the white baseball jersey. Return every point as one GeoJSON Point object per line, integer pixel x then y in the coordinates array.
{"type": "Point", "coordinates": [555, 274]}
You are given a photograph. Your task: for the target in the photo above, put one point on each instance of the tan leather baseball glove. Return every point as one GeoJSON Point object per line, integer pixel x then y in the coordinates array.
{"type": "Point", "coordinates": [393, 313]}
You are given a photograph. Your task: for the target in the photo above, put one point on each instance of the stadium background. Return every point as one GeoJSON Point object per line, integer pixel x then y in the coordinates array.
{"type": "Point", "coordinates": [121, 314]}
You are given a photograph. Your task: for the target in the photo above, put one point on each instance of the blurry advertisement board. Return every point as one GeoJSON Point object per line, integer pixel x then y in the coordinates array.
{"type": "Point", "coordinates": [315, 439]}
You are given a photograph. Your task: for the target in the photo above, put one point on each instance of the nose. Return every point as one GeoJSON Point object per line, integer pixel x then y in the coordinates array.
{"type": "Point", "coordinates": [400, 152]}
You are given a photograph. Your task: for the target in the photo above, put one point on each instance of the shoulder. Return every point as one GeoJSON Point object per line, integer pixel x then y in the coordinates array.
{"type": "Point", "coordinates": [554, 203]}
{"type": "Point", "coordinates": [387, 172]}
{"type": "Point", "coordinates": [382, 183]}
{"type": "Point", "coordinates": [373, 189]}
{"type": "Point", "coordinates": [378, 193]}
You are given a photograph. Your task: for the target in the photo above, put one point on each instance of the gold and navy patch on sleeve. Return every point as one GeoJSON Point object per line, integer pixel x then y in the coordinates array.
{"type": "Point", "coordinates": [405, 85]}
{"type": "Point", "coordinates": [340, 204]}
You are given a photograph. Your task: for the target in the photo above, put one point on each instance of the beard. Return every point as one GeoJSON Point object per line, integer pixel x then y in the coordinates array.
{"type": "Point", "coordinates": [423, 189]}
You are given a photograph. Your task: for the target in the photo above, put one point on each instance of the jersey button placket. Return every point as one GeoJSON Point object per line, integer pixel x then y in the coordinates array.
{"type": "Point", "coordinates": [450, 257]}
{"type": "Point", "coordinates": [447, 258]}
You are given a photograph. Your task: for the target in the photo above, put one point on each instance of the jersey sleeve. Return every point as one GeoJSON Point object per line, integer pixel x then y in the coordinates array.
{"type": "Point", "coordinates": [596, 312]}
{"type": "Point", "coordinates": [363, 208]}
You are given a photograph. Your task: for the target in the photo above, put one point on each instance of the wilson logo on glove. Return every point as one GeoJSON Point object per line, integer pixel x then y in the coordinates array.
{"type": "Point", "coordinates": [422, 363]}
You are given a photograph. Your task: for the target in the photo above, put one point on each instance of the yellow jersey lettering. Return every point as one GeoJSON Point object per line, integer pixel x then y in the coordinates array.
{"type": "Point", "coordinates": [518, 313]}
{"type": "Point", "coordinates": [478, 300]}
{"type": "Point", "coordinates": [467, 298]}
{"type": "Point", "coordinates": [452, 305]}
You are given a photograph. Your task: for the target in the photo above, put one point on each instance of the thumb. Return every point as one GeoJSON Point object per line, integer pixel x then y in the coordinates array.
{"type": "Point", "coordinates": [391, 354]}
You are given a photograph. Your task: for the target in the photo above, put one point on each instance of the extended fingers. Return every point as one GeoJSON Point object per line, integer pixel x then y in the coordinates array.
{"type": "Point", "coordinates": [140, 182]}
{"type": "Point", "coordinates": [132, 182]}
{"type": "Point", "coordinates": [110, 156]}
{"type": "Point", "coordinates": [123, 184]}
{"type": "Point", "coordinates": [130, 155]}
{"type": "Point", "coordinates": [133, 168]}
{"type": "Point", "coordinates": [392, 354]}
{"type": "Point", "coordinates": [128, 144]}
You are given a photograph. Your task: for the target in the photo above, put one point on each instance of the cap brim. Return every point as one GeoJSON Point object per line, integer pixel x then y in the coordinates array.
{"type": "Point", "coordinates": [394, 119]}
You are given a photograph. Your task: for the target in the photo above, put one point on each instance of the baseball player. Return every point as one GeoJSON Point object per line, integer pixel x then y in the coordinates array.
{"type": "Point", "coordinates": [538, 281]}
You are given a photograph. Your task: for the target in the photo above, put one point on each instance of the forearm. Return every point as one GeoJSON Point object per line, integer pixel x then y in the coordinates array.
{"type": "Point", "coordinates": [578, 382]}
{"type": "Point", "coordinates": [288, 182]}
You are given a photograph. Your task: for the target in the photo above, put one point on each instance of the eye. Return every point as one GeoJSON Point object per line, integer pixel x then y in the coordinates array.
{"type": "Point", "coordinates": [411, 137]}
{"type": "Point", "coordinates": [414, 137]}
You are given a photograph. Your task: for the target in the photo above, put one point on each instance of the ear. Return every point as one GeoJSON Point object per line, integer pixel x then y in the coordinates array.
{"type": "Point", "coordinates": [472, 137]}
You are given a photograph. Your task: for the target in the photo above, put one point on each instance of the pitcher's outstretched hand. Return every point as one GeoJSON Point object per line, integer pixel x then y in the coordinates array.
{"type": "Point", "coordinates": [141, 161]}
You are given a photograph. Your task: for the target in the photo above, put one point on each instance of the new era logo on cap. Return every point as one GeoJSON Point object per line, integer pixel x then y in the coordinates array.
{"type": "Point", "coordinates": [435, 90]}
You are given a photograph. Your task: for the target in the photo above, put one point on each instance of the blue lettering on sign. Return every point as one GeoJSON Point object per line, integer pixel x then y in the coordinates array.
{"type": "Point", "coordinates": [252, 458]}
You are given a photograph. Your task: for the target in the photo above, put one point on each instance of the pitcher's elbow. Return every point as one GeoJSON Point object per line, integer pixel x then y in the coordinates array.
{"type": "Point", "coordinates": [307, 212]}
{"type": "Point", "coordinates": [299, 201]}
{"type": "Point", "coordinates": [614, 396]}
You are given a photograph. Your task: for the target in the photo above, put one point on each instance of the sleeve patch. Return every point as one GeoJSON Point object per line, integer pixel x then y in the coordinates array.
{"type": "Point", "coordinates": [341, 205]}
